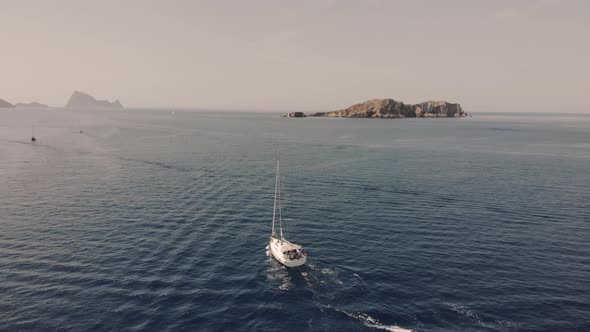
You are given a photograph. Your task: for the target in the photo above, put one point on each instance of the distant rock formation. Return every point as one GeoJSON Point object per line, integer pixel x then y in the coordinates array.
{"type": "Point", "coordinates": [295, 115]}
{"type": "Point", "coordinates": [33, 104]}
{"type": "Point", "coordinates": [5, 104]}
{"type": "Point", "coordinates": [81, 99]}
{"type": "Point", "coordinates": [389, 108]}
{"type": "Point", "coordinates": [438, 109]}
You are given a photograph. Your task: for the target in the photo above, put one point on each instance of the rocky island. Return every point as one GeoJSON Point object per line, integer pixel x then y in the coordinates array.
{"type": "Point", "coordinates": [81, 99]}
{"type": "Point", "coordinates": [392, 109]}
{"type": "Point", "coordinates": [5, 104]}
{"type": "Point", "coordinates": [295, 115]}
{"type": "Point", "coordinates": [31, 105]}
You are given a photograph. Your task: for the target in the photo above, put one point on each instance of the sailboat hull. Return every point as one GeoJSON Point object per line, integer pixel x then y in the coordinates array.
{"type": "Point", "coordinates": [278, 246]}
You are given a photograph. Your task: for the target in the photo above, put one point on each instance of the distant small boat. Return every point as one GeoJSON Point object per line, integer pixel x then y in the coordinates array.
{"type": "Point", "coordinates": [287, 253]}
{"type": "Point", "coordinates": [33, 139]}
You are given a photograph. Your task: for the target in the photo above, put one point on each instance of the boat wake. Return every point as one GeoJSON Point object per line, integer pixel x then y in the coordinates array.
{"type": "Point", "coordinates": [323, 276]}
{"type": "Point", "coordinates": [279, 274]}
{"type": "Point", "coordinates": [327, 284]}
{"type": "Point", "coordinates": [371, 322]}
{"type": "Point", "coordinates": [470, 314]}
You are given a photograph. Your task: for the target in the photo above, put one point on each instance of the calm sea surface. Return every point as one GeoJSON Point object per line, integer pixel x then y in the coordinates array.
{"type": "Point", "coordinates": [158, 221]}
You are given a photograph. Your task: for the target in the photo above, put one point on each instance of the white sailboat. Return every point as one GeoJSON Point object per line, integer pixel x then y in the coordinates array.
{"type": "Point", "coordinates": [287, 253]}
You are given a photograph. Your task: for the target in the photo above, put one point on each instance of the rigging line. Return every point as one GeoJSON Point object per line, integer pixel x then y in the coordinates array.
{"type": "Point", "coordinates": [274, 209]}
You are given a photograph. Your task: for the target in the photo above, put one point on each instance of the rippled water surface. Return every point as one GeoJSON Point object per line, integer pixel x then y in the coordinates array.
{"type": "Point", "coordinates": [157, 221]}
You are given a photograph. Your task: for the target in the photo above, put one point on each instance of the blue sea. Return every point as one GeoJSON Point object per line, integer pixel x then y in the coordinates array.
{"type": "Point", "coordinates": [152, 220]}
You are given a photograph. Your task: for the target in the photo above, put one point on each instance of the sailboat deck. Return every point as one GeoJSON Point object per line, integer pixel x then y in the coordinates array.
{"type": "Point", "coordinates": [286, 245]}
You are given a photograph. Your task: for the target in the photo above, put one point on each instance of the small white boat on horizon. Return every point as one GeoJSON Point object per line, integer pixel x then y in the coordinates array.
{"type": "Point", "coordinates": [287, 253]}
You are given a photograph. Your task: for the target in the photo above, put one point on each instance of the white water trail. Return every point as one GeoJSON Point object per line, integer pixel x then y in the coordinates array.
{"type": "Point", "coordinates": [373, 322]}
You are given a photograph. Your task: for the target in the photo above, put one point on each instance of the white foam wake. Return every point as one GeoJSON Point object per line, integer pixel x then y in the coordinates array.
{"type": "Point", "coordinates": [373, 322]}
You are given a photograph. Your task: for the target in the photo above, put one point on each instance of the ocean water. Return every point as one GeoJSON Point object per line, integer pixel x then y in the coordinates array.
{"type": "Point", "coordinates": [158, 221]}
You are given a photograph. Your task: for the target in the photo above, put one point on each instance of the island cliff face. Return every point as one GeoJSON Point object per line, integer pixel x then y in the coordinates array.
{"type": "Point", "coordinates": [389, 108]}
{"type": "Point", "coordinates": [5, 104]}
{"type": "Point", "coordinates": [81, 99]}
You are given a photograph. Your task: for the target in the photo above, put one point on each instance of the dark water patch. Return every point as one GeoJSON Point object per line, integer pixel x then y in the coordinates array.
{"type": "Point", "coordinates": [504, 129]}
{"type": "Point", "coordinates": [157, 164]}
{"type": "Point", "coordinates": [36, 144]}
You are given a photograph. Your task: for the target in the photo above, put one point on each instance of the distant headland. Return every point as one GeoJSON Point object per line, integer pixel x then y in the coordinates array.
{"type": "Point", "coordinates": [81, 99]}
{"type": "Point", "coordinates": [392, 109]}
{"type": "Point", "coordinates": [33, 104]}
{"type": "Point", "coordinates": [77, 100]}
{"type": "Point", "coordinates": [5, 104]}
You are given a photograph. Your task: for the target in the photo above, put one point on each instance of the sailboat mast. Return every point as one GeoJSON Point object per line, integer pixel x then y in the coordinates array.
{"type": "Point", "coordinates": [280, 210]}
{"type": "Point", "coordinates": [274, 209]}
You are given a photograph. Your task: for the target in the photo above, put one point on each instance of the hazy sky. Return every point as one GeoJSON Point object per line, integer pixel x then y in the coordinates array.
{"type": "Point", "coordinates": [297, 54]}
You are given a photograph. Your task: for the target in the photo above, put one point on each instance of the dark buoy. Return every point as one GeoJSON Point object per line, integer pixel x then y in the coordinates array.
{"type": "Point", "coordinates": [33, 139]}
